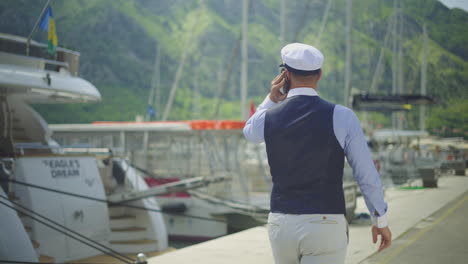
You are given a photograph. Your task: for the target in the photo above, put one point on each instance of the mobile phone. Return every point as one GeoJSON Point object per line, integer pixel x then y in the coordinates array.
{"type": "Point", "coordinates": [286, 85]}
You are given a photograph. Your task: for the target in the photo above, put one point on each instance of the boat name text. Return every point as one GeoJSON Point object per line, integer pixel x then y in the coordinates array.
{"type": "Point", "coordinates": [62, 168]}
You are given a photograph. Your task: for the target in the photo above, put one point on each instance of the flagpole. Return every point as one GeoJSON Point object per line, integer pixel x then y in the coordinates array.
{"type": "Point", "coordinates": [35, 26]}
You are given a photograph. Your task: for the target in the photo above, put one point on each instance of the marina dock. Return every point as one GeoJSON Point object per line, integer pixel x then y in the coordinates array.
{"type": "Point", "coordinates": [151, 143]}
{"type": "Point", "coordinates": [409, 211]}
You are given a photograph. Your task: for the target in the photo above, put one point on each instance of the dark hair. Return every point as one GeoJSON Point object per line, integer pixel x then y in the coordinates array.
{"type": "Point", "coordinates": [301, 72]}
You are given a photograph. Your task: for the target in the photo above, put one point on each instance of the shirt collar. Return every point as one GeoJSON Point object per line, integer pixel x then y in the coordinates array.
{"type": "Point", "coordinates": [302, 91]}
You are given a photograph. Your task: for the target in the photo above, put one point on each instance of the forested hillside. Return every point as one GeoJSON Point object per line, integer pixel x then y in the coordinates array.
{"type": "Point", "coordinates": [118, 40]}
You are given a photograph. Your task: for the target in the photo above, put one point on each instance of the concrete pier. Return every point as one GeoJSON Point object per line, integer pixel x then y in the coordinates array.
{"type": "Point", "coordinates": [440, 238]}
{"type": "Point", "coordinates": [407, 209]}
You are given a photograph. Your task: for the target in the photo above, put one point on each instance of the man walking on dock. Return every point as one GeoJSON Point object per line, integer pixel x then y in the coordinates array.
{"type": "Point", "coordinates": [307, 140]}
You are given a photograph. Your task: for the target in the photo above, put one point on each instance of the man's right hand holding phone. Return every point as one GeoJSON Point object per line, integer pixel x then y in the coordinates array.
{"type": "Point", "coordinates": [277, 83]}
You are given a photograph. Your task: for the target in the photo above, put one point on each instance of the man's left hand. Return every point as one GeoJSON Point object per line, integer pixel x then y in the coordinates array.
{"type": "Point", "coordinates": [386, 236]}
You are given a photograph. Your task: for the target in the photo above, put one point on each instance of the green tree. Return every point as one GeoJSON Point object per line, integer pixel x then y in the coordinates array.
{"type": "Point", "coordinates": [450, 119]}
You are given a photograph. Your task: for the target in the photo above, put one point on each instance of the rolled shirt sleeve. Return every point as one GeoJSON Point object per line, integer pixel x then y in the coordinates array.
{"type": "Point", "coordinates": [360, 159]}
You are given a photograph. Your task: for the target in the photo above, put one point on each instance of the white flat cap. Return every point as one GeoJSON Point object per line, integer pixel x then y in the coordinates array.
{"type": "Point", "coordinates": [302, 57]}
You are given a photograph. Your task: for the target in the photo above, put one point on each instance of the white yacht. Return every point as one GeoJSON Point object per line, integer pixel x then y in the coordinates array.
{"type": "Point", "coordinates": [176, 151]}
{"type": "Point", "coordinates": [54, 205]}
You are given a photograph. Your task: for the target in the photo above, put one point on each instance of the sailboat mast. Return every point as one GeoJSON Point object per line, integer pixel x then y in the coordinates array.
{"type": "Point", "coordinates": [422, 109]}
{"type": "Point", "coordinates": [394, 61]}
{"type": "Point", "coordinates": [196, 95]}
{"type": "Point", "coordinates": [150, 100]}
{"type": "Point", "coordinates": [400, 48]}
{"type": "Point", "coordinates": [244, 62]}
{"type": "Point", "coordinates": [282, 22]}
{"type": "Point", "coordinates": [400, 60]}
{"type": "Point", "coordinates": [324, 21]}
{"type": "Point", "coordinates": [175, 84]}
{"type": "Point", "coordinates": [154, 85]}
{"type": "Point", "coordinates": [157, 69]}
{"type": "Point", "coordinates": [349, 7]}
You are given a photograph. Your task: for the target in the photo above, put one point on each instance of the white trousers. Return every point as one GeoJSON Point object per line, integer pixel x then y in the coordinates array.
{"type": "Point", "coordinates": [308, 238]}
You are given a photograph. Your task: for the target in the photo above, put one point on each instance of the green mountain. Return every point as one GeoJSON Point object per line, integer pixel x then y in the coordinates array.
{"type": "Point", "coordinates": [118, 41]}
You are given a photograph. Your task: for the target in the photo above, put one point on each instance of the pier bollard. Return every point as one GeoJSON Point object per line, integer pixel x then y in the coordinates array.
{"type": "Point", "coordinates": [459, 168]}
{"type": "Point", "coordinates": [429, 177]}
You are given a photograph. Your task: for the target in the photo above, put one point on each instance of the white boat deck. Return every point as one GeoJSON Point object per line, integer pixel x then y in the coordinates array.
{"type": "Point", "coordinates": [406, 209]}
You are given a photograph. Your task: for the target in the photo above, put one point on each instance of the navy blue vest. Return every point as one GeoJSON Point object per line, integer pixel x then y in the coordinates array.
{"type": "Point", "coordinates": [306, 160]}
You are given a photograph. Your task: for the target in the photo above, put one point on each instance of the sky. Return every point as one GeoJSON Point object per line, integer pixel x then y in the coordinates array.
{"type": "Point", "coordinates": [463, 4]}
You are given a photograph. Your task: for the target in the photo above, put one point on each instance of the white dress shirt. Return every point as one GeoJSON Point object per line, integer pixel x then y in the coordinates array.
{"type": "Point", "coordinates": [348, 132]}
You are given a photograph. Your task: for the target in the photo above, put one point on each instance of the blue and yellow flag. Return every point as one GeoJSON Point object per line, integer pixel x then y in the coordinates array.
{"type": "Point", "coordinates": [48, 24]}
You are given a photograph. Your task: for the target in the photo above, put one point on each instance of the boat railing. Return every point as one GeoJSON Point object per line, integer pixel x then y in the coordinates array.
{"type": "Point", "coordinates": [38, 148]}
{"type": "Point", "coordinates": [13, 51]}
{"type": "Point", "coordinates": [39, 63]}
